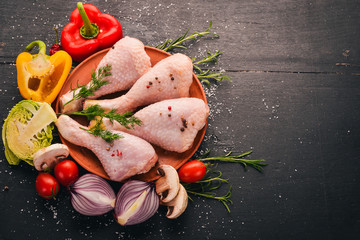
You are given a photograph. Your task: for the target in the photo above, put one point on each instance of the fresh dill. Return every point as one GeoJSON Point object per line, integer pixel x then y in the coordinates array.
{"type": "Point", "coordinates": [96, 82]}
{"type": "Point", "coordinates": [98, 131]}
{"type": "Point", "coordinates": [127, 119]}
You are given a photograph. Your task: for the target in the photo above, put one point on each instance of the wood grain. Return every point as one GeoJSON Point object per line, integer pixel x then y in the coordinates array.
{"type": "Point", "coordinates": [293, 99]}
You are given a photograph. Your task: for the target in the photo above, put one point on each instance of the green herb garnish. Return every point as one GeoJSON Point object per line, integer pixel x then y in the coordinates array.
{"type": "Point", "coordinates": [97, 131]}
{"type": "Point", "coordinates": [257, 164]}
{"type": "Point", "coordinates": [178, 43]}
{"type": "Point", "coordinates": [96, 82]}
{"type": "Point", "coordinates": [206, 186]}
{"type": "Point", "coordinates": [127, 119]}
{"type": "Point", "coordinates": [206, 75]}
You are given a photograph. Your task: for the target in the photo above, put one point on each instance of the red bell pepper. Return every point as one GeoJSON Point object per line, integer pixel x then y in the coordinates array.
{"type": "Point", "coordinates": [89, 31]}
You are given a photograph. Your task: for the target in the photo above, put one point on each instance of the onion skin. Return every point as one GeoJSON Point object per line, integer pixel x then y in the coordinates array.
{"type": "Point", "coordinates": [91, 195]}
{"type": "Point", "coordinates": [126, 197]}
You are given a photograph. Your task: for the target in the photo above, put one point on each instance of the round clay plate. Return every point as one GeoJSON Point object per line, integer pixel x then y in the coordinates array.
{"type": "Point", "coordinates": [88, 160]}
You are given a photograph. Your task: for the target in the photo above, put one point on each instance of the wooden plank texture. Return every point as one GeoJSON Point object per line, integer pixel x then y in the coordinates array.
{"type": "Point", "coordinates": [293, 98]}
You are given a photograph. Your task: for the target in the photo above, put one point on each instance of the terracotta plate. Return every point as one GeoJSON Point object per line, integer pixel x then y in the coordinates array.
{"type": "Point", "coordinates": [88, 160]}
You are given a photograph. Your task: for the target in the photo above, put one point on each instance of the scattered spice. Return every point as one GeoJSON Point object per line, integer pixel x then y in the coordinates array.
{"type": "Point", "coordinates": [184, 122]}
{"type": "Point", "coordinates": [107, 149]}
{"type": "Point", "coordinates": [172, 78]}
{"type": "Point", "coordinates": [169, 115]}
{"type": "Point", "coordinates": [118, 153]}
{"type": "Point", "coordinates": [150, 83]}
{"type": "Point", "coordinates": [182, 129]}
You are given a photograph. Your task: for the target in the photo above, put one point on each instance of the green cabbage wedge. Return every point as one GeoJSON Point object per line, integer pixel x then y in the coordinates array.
{"type": "Point", "coordinates": [27, 129]}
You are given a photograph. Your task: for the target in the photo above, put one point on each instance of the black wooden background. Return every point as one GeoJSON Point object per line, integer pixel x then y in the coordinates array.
{"type": "Point", "coordinates": [293, 99]}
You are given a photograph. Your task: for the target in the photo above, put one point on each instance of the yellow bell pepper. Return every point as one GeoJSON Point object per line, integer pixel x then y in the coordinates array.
{"type": "Point", "coordinates": [40, 77]}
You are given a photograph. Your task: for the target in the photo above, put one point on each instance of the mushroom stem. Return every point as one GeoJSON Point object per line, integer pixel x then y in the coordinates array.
{"type": "Point", "coordinates": [167, 186]}
{"type": "Point", "coordinates": [178, 205]}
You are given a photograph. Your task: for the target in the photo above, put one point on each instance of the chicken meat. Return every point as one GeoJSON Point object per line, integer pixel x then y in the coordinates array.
{"type": "Point", "coordinates": [128, 61]}
{"type": "Point", "coordinates": [169, 78]}
{"type": "Point", "coordinates": [121, 159]}
{"type": "Point", "coordinates": [171, 124]}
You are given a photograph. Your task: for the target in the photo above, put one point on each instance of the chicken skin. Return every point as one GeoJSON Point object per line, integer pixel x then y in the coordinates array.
{"type": "Point", "coordinates": [121, 159]}
{"type": "Point", "coordinates": [171, 124]}
{"type": "Point", "coordinates": [128, 61]}
{"type": "Point", "coordinates": [170, 78]}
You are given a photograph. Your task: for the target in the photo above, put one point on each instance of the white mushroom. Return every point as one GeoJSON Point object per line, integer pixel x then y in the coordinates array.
{"type": "Point", "coordinates": [48, 157]}
{"type": "Point", "coordinates": [178, 205]}
{"type": "Point", "coordinates": [167, 186]}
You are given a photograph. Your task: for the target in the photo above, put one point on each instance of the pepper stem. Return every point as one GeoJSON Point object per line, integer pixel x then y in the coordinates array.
{"type": "Point", "coordinates": [88, 30]}
{"type": "Point", "coordinates": [40, 44]}
{"type": "Point", "coordinates": [57, 35]}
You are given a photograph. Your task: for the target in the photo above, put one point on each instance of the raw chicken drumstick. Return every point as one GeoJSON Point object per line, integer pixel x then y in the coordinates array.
{"type": "Point", "coordinates": [121, 159]}
{"type": "Point", "coordinates": [129, 62]}
{"type": "Point", "coordinates": [169, 78]}
{"type": "Point", "coordinates": [171, 124]}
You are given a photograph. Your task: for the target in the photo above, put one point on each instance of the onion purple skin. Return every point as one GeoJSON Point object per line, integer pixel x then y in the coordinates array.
{"type": "Point", "coordinates": [91, 195]}
{"type": "Point", "coordinates": [127, 195]}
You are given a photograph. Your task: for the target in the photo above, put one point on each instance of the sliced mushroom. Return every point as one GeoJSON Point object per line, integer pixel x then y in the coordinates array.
{"type": "Point", "coordinates": [167, 186]}
{"type": "Point", "coordinates": [48, 157]}
{"type": "Point", "coordinates": [178, 205]}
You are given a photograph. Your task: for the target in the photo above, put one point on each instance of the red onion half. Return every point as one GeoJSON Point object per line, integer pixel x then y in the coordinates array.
{"type": "Point", "coordinates": [136, 202]}
{"type": "Point", "coordinates": [91, 195]}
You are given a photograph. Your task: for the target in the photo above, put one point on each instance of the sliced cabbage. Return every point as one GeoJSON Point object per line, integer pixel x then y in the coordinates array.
{"type": "Point", "coordinates": [27, 129]}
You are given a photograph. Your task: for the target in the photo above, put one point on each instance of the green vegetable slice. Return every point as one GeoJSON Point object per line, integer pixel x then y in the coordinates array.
{"type": "Point", "coordinates": [27, 129]}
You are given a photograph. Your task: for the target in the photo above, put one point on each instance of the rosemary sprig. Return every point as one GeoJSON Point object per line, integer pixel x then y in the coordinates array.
{"type": "Point", "coordinates": [257, 164]}
{"type": "Point", "coordinates": [211, 57]}
{"type": "Point", "coordinates": [205, 188]}
{"type": "Point", "coordinates": [178, 43]}
{"type": "Point", "coordinates": [97, 131]}
{"type": "Point", "coordinates": [96, 82]}
{"type": "Point", "coordinates": [206, 75]}
{"type": "Point", "coordinates": [127, 119]}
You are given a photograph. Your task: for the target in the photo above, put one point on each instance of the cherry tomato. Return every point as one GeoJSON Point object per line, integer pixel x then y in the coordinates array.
{"type": "Point", "coordinates": [66, 172]}
{"type": "Point", "coordinates": [192, 171]}
{"type": "Point", "coordinates": [46, 185]}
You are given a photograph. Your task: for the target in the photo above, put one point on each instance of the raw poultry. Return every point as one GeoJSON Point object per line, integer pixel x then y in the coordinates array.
{"type": "Point", "coordinates": [171, 124]}
{"type": "Point", "coordinates": [121, 159]}
{"type": "Point", "coordinates": [128, 61]}
{"type": "Point", "coordinates": [169, 78]}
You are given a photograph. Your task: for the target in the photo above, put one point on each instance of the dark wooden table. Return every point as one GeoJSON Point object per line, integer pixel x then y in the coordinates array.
{"type": "Point", "coordinates": [293, 99]}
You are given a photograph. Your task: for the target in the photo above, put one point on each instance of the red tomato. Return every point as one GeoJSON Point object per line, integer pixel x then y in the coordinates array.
{"type": "Point", "coordinates": [46, 185]}
{"type": "Point", "coordinates": [192, 171]}
{"type": "Point", "coordinates": [66, 172]}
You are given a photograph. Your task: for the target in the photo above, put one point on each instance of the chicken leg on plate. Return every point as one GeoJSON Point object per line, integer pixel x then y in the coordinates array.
{"type": "Point", "coordinates": [169, 78]}
{"type": "Point", "coordinates": [171, 124]}
{"type": "Point", "coordinates": [121, 159]}
{"type": "Point", "coordinates": [129, 62]}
